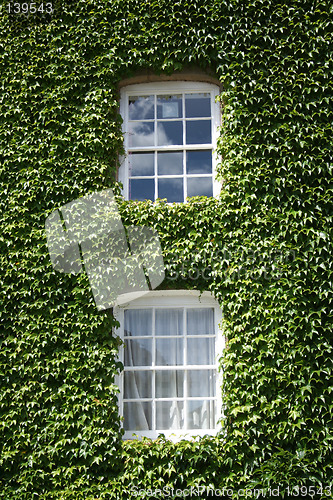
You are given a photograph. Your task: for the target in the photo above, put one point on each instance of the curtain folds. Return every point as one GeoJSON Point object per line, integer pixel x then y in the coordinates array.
{"type": "Point", "coordinates": [164, 386]}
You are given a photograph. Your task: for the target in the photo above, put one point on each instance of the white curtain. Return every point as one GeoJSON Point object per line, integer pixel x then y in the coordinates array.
{"type": "Point", "coordinates": [137, 384]}
{"type": "Point", "coordinates": [138, 322]}
{"type": "Point", "coordinates": [172, 382]}
{"type": "Point", "coordinates": [200, 321]}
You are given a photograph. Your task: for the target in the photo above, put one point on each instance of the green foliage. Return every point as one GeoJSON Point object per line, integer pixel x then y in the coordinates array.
{"type": "Point", "coordinates": [263, 248]}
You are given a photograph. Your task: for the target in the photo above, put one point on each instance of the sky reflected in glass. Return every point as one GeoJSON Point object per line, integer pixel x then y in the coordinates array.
{"type": "Point", "coordinates": [171, 189]}
{"type": "Point", "coordinates": [197, 105]}
{"type": "Point", "coordinates": [199, 162]}
{"type": "Point", "coordinates": [169, 133]}
{"type": "Point", "coordinates": [141, 134]}
{"type": "Point", "coordinates": [141, 107]}
{"type": "Point", "coordinates": [170, 163]}
{"type": "Point", "coordinates": [198, 132]}
{"type": "Point", "coordinates": [141, 164]}
{"type": "Point", "coordinates": [169, 106]}
{"type": "Point", "coordinates": [199, 186]}
{"type": "Point", "coordinates": [158, 135]}
{"type": "Point", "coordinates": [141, 189]}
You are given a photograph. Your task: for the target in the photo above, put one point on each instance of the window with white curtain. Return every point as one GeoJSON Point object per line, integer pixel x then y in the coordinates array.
{"type": "Point", "coordinates": [170, 383]}
{"type": "Point", "coordinates": [170, 133]}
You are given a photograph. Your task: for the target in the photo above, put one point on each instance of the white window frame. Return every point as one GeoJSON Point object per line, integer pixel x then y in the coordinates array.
{"type": "Point", "coordinates": [169, 87]}
{"type": "Point", "coordinates": [174, 299]}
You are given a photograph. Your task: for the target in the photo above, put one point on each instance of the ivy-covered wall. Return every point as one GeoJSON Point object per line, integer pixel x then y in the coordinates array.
{"type": "Point", "coordinates": [263, 248]}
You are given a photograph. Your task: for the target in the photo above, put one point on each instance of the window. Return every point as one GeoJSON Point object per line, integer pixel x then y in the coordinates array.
{"type": "Point", "coordinates": [170, 383]}
{"type": "Point", "coordinates": [170, 132]}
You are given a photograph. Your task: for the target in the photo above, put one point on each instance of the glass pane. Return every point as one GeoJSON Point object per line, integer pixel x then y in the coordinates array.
{"type": "Point", "coordinates": [138, 352]}
{"type": "Point", "coordinates": [169, 133]}
{"type": "Point", "coordinates": [200, 321]}
{"type": "Point", "coordinates": [169, 322]}
{"type": "Point", "coordinates": [141, 164]}
{"type": "Point", "coordinates": [169, 106]}
{"type": "Point", "coordinates": [201, 351]}
{"type": "Point", "coordinates": [169, 352]}
{"type": "Point", "coordinates": [142, 189]}
{"type": "Point", "coordinates": [141, 107]}
{"type": "Point", "coordinates": [170, 384]}
{"type": "Point", "coordinates": [197, 105]}
{"type": "Point", "coordinates": [141, 134]}
{"type": "Point", "coordinates": [199, 186]}
{"type": "Point", "coordinates": [138, 385]}
{"type": "Point", "coordinates": [138, 416]}
{"type": "Point", "coordinates": [138, 322]}
{"type": "Point", "coordinates": [170, 163]}
{"type": "Point", "coordinates": [169, 415]}
{"type": "Point", "coordinates": [171, 189]}
{"type": "Point", "coordinates": [201, 383]}
{"type": "Point", "coordinates": [199, 162]}
{"type": "Point", "coordinates": [201, 414]}
{"type": "Point", "coordinates": [198, 132]}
